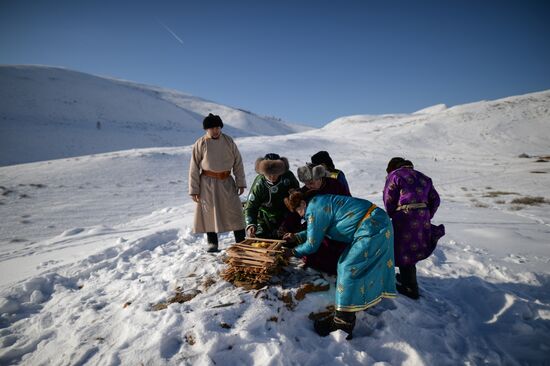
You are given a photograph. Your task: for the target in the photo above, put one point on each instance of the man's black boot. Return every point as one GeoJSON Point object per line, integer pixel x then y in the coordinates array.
{"type": "Point", "coordinates": [212, 242]}
{"type": "Point", "coordinates": [406, 283]}
{"type": "Point", "coordinates": [340, 320]}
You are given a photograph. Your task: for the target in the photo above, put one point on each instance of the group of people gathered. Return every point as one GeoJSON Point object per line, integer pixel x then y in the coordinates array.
{"type": "Point", "coordinates": [320, 221]}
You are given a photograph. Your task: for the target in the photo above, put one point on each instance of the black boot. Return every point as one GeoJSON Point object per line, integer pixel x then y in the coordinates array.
{"type": "Point", "coordinates": [406, 283]}
{"type": "Point", "coordinates": [340, 320]}
{"type": "Point", "coordinates": [212, 242]}
{"type": "Point", "coordinates": [239, 235]}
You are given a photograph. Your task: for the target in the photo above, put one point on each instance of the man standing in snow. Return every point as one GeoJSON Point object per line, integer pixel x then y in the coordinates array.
{"type": "Point", "coordinates": [411, 201]}
{"type": "Point", "coordinates": [212, 187]}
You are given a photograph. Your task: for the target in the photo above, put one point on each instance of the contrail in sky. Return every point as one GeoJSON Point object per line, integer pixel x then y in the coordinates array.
{"type": "Point", "coordinates": [171, 32]}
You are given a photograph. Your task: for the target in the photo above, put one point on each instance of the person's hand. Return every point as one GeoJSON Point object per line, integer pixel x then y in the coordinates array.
{"type": "Point", "coordinates": [240, 190]}
{"type": "Point", "coordinates": [196, 197]}
{"type": "Point", "coordinates": [288, 252]}
{"type": "Point", "coordinates": [289, 238]}
{"type": "Point", "coordinates": [251, 232]}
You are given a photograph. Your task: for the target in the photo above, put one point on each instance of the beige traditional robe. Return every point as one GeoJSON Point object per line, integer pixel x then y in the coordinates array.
{"type": "Point", "coordinates": [220, 208]}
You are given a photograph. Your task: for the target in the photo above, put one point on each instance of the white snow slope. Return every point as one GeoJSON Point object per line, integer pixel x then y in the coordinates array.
{"type": "Point", "coordinates": [50, 113]}
{"type": "Point", "coordinates": [90, 245]}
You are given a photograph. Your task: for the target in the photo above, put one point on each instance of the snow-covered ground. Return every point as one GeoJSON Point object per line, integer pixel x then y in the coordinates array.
{"type": "Point", "coordinates": [93, 246]}
{"type": "Point", "coordinates": [51, 113]}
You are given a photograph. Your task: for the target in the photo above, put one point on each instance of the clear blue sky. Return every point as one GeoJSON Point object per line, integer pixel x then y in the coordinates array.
{"type": "Point", "coordinates": [304, 61]}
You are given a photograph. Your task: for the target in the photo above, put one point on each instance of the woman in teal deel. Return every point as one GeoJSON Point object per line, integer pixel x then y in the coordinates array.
{"type": "Point", "coordinates": [366, 267]}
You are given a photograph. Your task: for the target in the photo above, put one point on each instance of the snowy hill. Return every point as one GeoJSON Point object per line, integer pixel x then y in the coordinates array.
{"type": "Point", "coordinates": [91, 245]}
{"type": "Point", "coordinates": [50, 113]}
{"type": "Point", "coordinates": [506, 126]}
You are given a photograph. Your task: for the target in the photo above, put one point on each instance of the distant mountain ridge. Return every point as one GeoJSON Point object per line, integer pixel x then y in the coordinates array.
{"type": "Point", "coordinates": [49, 113]}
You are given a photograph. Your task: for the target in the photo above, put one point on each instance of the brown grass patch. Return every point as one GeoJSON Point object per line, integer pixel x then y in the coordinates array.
{"type": "Point", "coordinates": [179, 298]}
{"type": "Point", "coordinates": [286, 297]}
{"type": "Point", "coordinates": [529, 200]}
{"type": "Point", "coordinates": [493, 194]}
{"type": "Point", "coordinates": [190, 339]}
{"type": "Point", "coordinates": [308, 288]}
{"type": "Point", "coordinates": [209, 281]}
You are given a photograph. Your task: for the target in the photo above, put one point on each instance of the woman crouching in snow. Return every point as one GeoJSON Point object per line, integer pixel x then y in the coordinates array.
{"type": "Point", "coordinates": [365, 272]}
{"type": "Point", "coordinates": [316, 182]}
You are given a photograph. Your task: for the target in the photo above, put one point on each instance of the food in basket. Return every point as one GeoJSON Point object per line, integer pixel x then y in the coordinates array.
{"type": "Point", "coordinates": [261, 244]}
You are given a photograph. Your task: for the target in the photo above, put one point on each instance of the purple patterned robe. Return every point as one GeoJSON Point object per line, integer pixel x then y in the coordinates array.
{"type": "Point", "coordinates": [415, 236]}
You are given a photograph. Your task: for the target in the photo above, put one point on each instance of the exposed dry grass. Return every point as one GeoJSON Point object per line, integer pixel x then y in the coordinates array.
{"type": "Point", "coordinates": [209, 281]}
{"type": "Point", "coordinates": [529, 200]}
{"type": "Point", "coordinates": [493, 194]}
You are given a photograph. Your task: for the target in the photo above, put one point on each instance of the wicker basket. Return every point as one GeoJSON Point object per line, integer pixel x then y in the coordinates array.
{"type": "Point", "coordinates": [251, 264]}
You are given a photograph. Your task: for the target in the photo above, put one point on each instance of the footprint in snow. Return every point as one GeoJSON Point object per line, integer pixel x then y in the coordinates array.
{"type": "Point", "coordinates": [515, 259]}
{"type": "Point", "coordinates": [72, 232]}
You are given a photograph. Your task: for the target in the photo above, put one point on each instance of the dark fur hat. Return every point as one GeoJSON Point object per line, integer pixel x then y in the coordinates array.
{"type": "Point", "coordinates": [211, 121]}
{"type": "Point", "coordinates": [322, 157]}
{"type": "Point", "coordinates": [271, 164]}
{"type": "Point", "coordinates": [310, 172]}
{"type": "Point", "coordinates": [396, 163]}
{"type": "Point", "coordinates": [293, 201]}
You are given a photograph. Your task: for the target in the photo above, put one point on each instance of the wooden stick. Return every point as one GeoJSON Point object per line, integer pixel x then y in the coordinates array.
{"type": "Point", "coordinates": [248, 247]}
{"type": "Point", "coordinates": [254, 240]}
{"type": "Point", "coordinates": [251, 253]}
{"type": "Point", "coordinates": [253, 257]}
{"type": "Point", "coordinates": [249, 263]}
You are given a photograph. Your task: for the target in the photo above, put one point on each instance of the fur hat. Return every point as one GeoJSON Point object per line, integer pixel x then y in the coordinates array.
{"type": "Point", "coordinates": [396, 163]}
{"type": "Point", "coordinates": [211, 121]}
{"type": "Point", "coordinates": [293, 201]}
{"type": "Point", "coordinates": [310, 172]}
{"type": "Point", "coordinates": [271, 164]}
{"type": "Point", "coordinates": [322, 157]}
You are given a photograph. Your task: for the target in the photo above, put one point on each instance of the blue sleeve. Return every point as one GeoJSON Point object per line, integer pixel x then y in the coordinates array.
{"type": "Point", "coordinates": [318, 221]}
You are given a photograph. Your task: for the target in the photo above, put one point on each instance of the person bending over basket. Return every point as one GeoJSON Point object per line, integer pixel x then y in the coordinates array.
{"type": "Point", "coordinates": [365, 273]}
